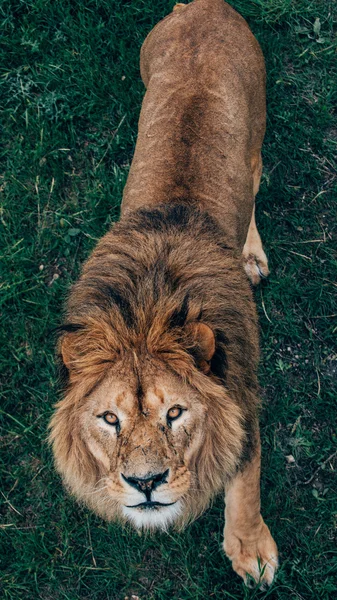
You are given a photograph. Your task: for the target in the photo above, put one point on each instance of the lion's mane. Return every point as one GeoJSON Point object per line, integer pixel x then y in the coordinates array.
{"type": "Point", "coordinates": [156, 271]}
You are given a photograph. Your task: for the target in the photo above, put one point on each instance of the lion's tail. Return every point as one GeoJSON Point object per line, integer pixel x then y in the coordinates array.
{"type": "Point", "coordinates": [210, 3]}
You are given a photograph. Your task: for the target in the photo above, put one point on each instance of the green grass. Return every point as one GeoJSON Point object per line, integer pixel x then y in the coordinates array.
{"type": "Point", "coordinates": [70, 99]}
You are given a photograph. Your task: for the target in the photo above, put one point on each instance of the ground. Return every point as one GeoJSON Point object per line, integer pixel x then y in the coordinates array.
{"type": "Point", "coordinates": [70, 98]}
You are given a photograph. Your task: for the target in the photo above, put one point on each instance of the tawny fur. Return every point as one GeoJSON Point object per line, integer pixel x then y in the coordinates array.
{"type": "Point", "coordinates": [156, 270]}
{"type": "Point", "coordinates": [163, 312]}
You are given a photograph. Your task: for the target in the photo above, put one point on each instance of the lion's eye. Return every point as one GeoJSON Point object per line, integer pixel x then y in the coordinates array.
{"type": "Point", "coordinates": [110, 418]}
{"type": "Point", "coordinates": [174, 413]}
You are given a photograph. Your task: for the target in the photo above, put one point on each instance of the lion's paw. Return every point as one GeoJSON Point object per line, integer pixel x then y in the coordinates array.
{"type": "Point", "coordinates": [253, 560]}
{"type": "Point", "coordinates": [256, 266]}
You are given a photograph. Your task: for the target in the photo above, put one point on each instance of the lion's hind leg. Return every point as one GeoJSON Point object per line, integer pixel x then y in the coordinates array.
{"type": "Point", "coordinates": [255, 259]}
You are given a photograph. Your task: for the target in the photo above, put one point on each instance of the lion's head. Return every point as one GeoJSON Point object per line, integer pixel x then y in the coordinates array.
{"type": "Point", "coordinates": [148, 431]}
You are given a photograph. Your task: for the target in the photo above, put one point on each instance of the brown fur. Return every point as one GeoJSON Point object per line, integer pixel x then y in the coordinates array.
{"type": "Point", "coordinates": [163, 313]}
{"type": "Point", "coordinates": [148, 283]}
{"type": "Point", "coordinates": [202, 121]}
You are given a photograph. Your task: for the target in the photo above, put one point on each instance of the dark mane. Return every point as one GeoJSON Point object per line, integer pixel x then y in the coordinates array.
{"type": "Point", "coordinates": [151, 275]}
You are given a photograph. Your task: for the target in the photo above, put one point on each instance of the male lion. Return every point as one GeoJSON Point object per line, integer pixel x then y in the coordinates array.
{"type": "Point", "coordinates": [160, 342]}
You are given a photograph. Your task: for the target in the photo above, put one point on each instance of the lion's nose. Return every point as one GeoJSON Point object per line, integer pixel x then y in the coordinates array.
{"type": "Point", "coordinates": [147, 484]}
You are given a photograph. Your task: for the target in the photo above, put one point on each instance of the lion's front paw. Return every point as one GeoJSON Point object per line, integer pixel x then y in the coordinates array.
{"type": "Point", "coordinates": [256, 266]}
{"type": "Point", "coordinates": [252, 559]}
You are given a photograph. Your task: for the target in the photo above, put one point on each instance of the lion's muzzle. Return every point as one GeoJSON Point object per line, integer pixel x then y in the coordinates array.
{"type": "Point", "coordinates": [147, 485]}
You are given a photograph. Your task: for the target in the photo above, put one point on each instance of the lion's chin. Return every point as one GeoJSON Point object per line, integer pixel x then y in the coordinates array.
{"type": "Point", "coordinates": [158, 517]}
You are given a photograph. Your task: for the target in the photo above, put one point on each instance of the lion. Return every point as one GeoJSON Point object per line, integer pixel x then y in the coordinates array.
{"type": "Point", "coordinates": [160, 341]}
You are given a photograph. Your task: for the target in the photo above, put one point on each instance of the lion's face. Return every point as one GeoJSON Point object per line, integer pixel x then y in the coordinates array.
{"type": "Point", "coordinates": [145, 432]}
{"type": "Point", "coordinates": [143, 429]}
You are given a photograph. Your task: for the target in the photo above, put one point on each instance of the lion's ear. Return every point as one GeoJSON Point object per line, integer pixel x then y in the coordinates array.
{"type": "Point", "coordinates": [66, 350]}
{"type": "Point", "coordinates": [66, 343]}
{"type": "Point", "coordinates": [203, 344]}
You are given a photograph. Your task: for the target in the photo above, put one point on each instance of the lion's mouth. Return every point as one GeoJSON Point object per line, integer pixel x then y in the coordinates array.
{"type": "Point", "coordinates": [149, 505]}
